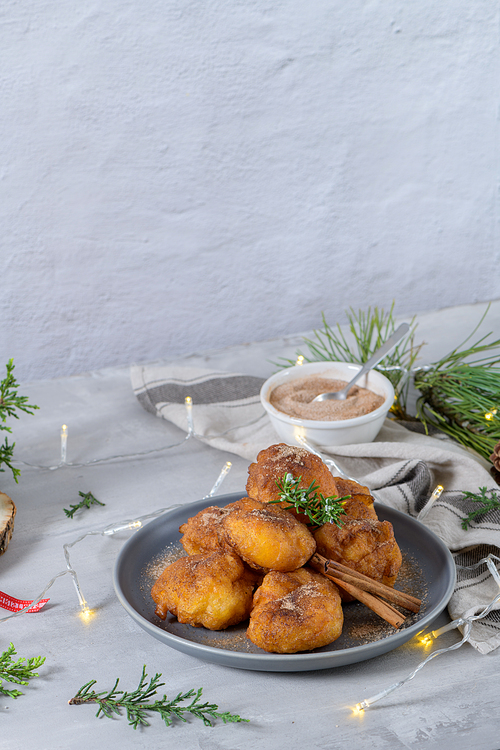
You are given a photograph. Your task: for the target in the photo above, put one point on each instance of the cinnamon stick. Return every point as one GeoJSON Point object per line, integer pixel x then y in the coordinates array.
{"type": "Point", "coordinates": [362, 576]}
{"type": "Point", "coordinates": [359, 580]}
{"type": "Point", "coordinates": [381, 608]}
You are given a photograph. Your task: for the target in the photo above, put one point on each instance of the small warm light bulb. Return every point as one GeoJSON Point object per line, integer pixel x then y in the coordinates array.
{"type": "Point", "coordinates": [435, 495]}
{"type": "Point", "coordinates": [223, 474]}
{"type": "Point", "coordinates": [86, 613]}
{"type": "Point", "coordinates": [299, 433]}
{"type": "Point", "coordinates": [122, 527]}
{"type": "Point", "coordinates": [64, 443]}
{"type": "Point", "coordinates": [300, 360]}
{"type": "Point", "coordinates": [188, 401]}
{"type": "Point", "coordinates": [490, 414]}
{"type": "Point", "coordinates": [426, 640]}
{"type": "Point", "coordinates": [359, 708]}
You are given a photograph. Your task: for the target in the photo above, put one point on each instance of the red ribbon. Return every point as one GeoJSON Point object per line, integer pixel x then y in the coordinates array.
{"type": "Point", "coordinates": [14, 605]}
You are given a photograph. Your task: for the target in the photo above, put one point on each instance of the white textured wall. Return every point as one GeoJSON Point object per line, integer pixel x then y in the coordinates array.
{"type": "Point", "coordinates": [187, 175]}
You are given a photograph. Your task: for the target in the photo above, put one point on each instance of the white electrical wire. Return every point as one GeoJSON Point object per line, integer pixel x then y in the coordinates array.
{"type": "Point", "coordinates": [466, 622]}
{"type": "Point", "coordinates": [107, 531]}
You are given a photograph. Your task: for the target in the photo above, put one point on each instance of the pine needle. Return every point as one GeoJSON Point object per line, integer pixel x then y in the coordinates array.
{"type": "Point", "coordinates": [460, 394]}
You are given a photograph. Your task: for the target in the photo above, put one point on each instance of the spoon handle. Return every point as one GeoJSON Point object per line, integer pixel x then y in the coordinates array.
{"type": "Point", "coordinates": [391, 342]}
{"type": "Point", "coordinates": [374, 360]}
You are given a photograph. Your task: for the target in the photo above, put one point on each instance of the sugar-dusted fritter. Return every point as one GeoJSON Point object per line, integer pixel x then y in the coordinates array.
{"type": "Point", "coordinates": [275, 462]}
{"type": "Point", "coordinates": [296, 611]}
{"type": "Point", "coordinates": [360, 501]}
{"type": "Point", "coordinates": [267, 537]}
{"type": "Point", "coordinates": [213, 590]}
{"type": "Point", "coordinates": [202, 532]}
{"type": "Point", "coordinates": [365, 545]}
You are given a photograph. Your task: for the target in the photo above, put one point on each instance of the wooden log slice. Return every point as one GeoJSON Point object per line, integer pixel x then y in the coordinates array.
{"type": "Point", "coordinates": [7, 513]}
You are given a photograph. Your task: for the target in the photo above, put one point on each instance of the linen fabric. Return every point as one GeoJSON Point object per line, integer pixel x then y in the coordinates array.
{"type": "Point", "coordinates": [401, 467]}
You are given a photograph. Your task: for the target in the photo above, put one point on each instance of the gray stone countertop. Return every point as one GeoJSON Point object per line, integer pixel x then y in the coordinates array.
{"type": "Point", "coordinates": [452, 703]}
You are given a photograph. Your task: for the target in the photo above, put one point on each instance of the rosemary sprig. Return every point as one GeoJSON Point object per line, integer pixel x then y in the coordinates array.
{"type": "Point", "coordinates": [137, 704]}
{"type": "Point", "coordinates": [10, 404]}
{"type": "Point", "coordinates": [86, 502]}
{"type": "Point", "coordinates": [19, 672]}
{"type": "Point", "coordinates": [487, 503]}
{"type": "Point", "coordinates": [369, 329]}
{"type": "Point", "coordinates": [318, 508]}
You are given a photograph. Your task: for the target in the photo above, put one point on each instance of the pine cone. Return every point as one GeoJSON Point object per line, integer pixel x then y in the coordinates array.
{"type": "Point", "coordinates": [495, 457]}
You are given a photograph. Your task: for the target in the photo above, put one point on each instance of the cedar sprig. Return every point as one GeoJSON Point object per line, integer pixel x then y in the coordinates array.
{"type": "Point", "coordinates": [491, 502]}
{"type": "Point", "coordinates": [19, 672]}
{"type": "Point", "coordinates": [87, 500]}
{"type": "Point", "coordinates": [137, 704]}
{"type": "Point", "coordinates": [368, 331]}
{"type": "Point", "coordinates": [318, 508]}
{"type": "Point", "coordinates": [10, 404]}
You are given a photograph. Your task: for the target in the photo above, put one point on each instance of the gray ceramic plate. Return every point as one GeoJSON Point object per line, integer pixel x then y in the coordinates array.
{"type": "Point", "coordinates": [428, 572]}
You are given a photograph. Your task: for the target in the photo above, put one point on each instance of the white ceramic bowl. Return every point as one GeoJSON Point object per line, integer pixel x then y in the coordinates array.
{"type": "Point", "coordinates": [362, 429]}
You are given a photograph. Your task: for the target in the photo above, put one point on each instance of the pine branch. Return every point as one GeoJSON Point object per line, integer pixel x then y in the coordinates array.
{"type": "Point", "coordinates": [88, 500]}
{"type": "Point", "coordinates": [19, 672]}
{"type": "Point", "coordinates": [137, 703]}
{"type": "Point", "coordinates": [487, 503]}
{"type": "Point", "coordinates": [318, 508]}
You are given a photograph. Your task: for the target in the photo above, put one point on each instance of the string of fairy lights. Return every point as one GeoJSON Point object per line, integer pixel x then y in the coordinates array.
{"type": "Point", "coordinates": [86, 612]}
{"type": "Point", "coordinates": [463, 622]}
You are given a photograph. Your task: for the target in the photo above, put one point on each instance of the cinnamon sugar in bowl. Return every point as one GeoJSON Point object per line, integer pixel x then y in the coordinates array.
{"type": "Point", "coordinates": [287, 397]}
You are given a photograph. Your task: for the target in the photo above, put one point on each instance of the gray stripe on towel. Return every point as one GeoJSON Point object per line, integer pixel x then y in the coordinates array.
{"type": "Point", "coordinates": [211, 391]}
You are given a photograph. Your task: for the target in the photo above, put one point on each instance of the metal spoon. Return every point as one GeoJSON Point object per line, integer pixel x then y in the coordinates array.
{"type": "Point", "coordinates": [374, 360]}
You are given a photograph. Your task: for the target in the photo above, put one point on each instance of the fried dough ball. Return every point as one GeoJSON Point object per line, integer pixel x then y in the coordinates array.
{"type": "Point", "coordinates": [202, 532]}
{"type": "Point", "coordinates": [365, 545]}
{"type": "Point", "coordinates": [296, 611]}
{"type": "Point", "coordinates": [213, 590]}
{"type": "Point", "coordinates": [360, 503]}
{"type": "Point", "coordinates": [267, 537]}
{"type": "Point", "coordinates": [277, 461]}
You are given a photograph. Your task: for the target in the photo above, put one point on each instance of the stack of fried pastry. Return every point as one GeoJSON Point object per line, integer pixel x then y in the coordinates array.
{"type": "Point", "coordinates": [252, 558]}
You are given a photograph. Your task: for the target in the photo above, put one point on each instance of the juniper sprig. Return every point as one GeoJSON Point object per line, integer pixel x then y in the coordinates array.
{"type": "Point", "coordinates": [10, 404]}
{"type": "Point", "coordinates": [86, 502]}
{"type": "Point", "coordinates": [19, 672]}
{"type": "Point", "coordinates": [487, 503]}
{"type": "Point", "coordinates": [137, 704]}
